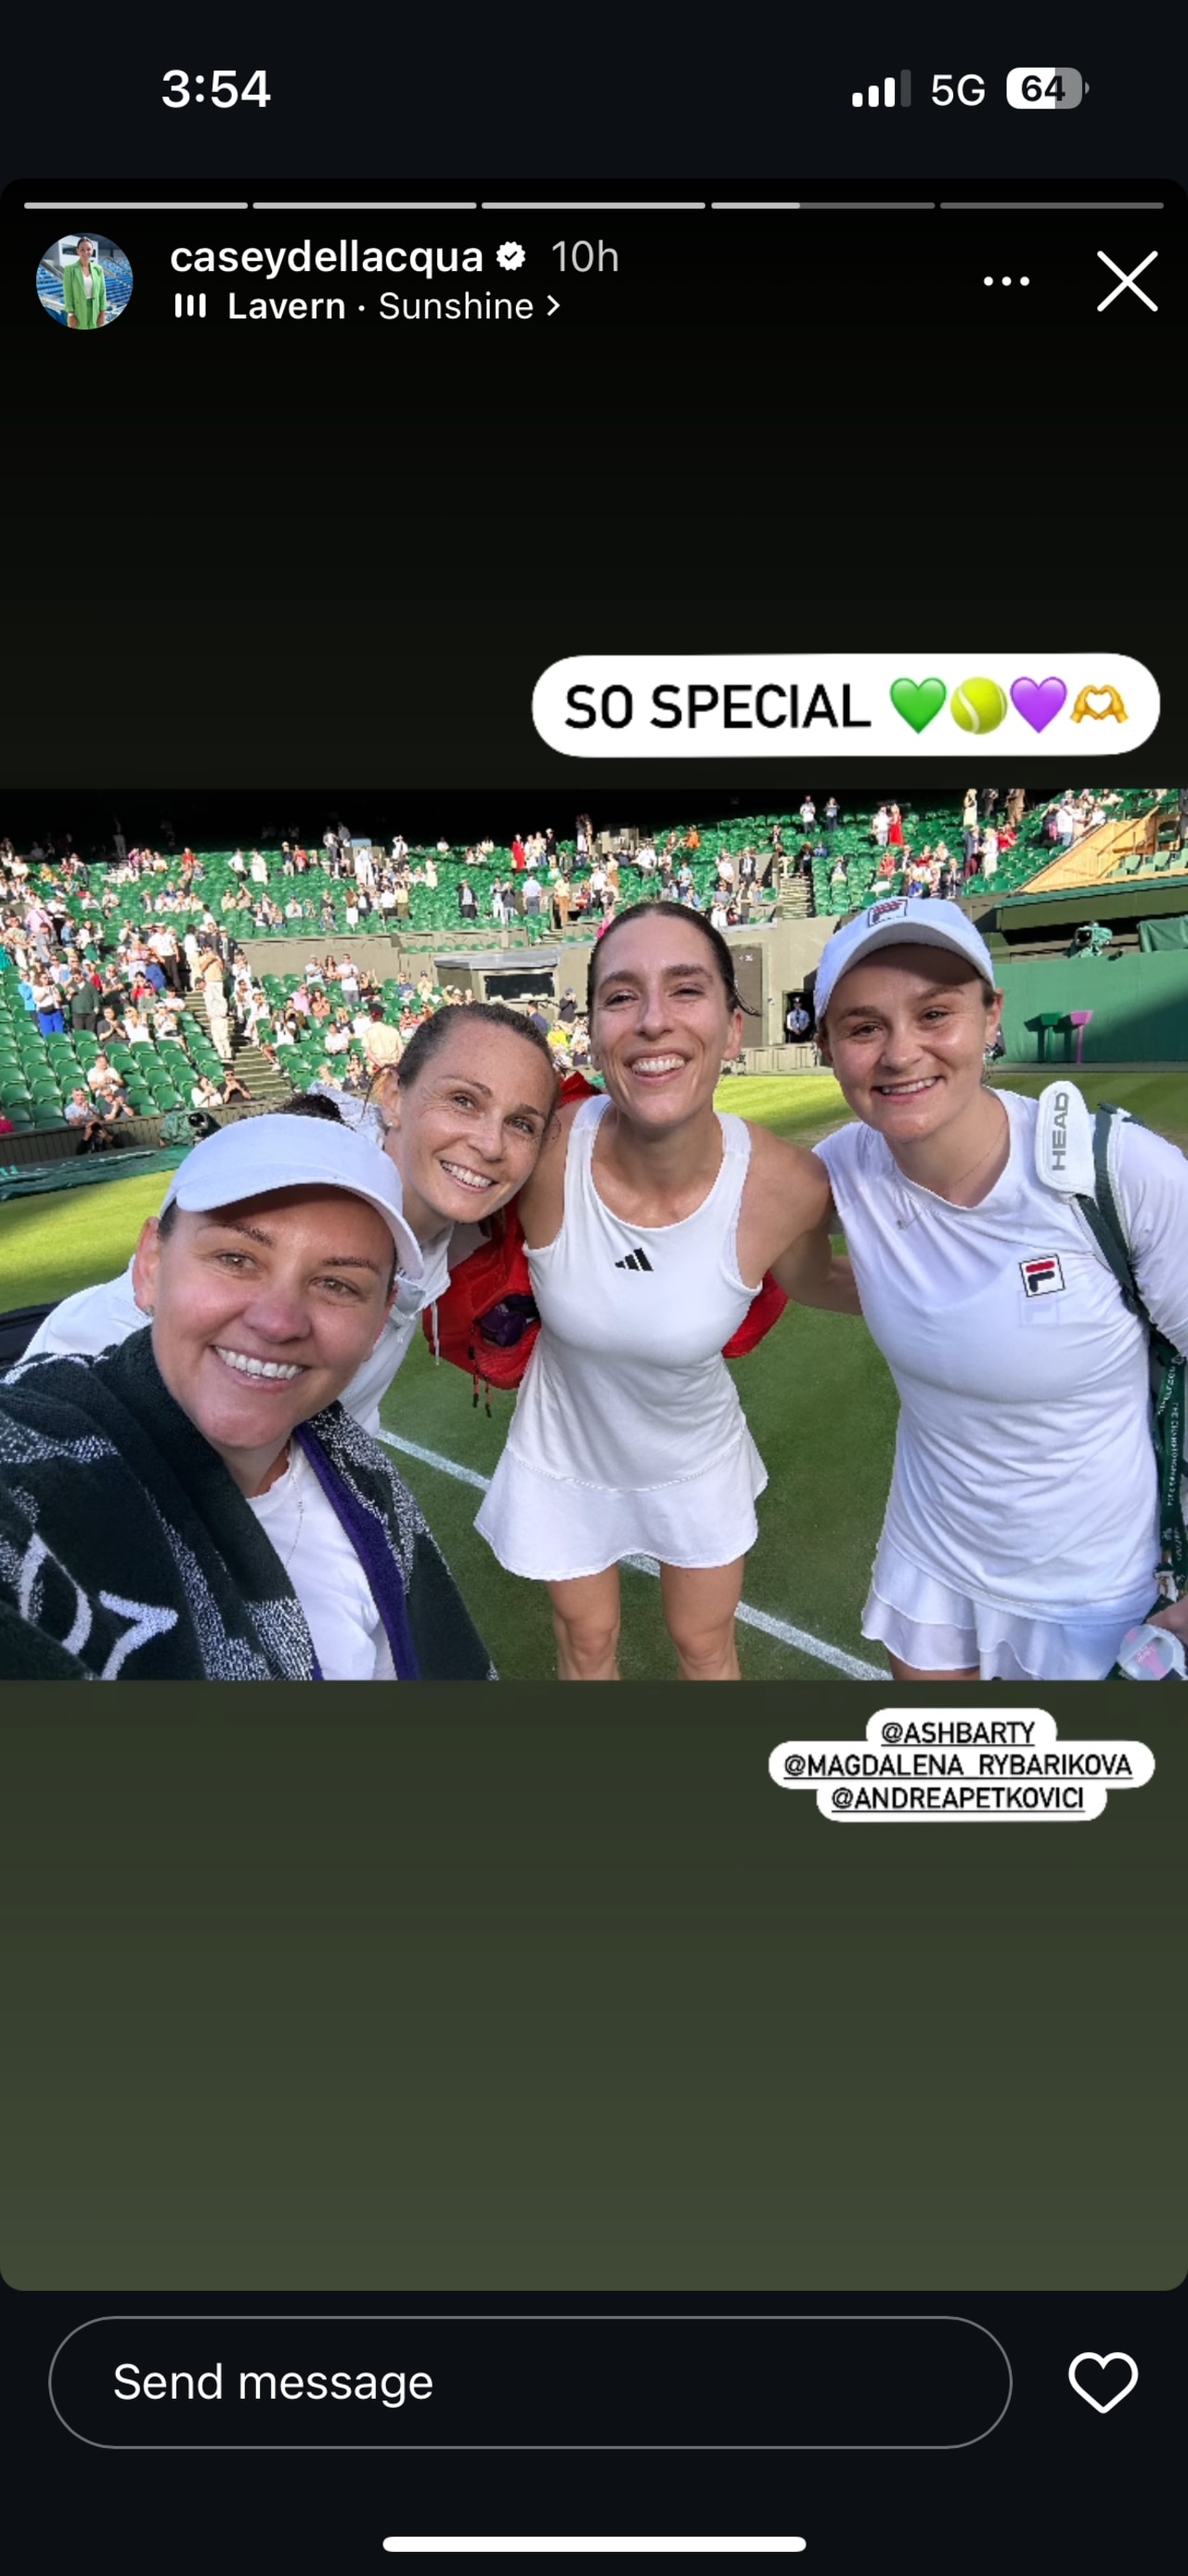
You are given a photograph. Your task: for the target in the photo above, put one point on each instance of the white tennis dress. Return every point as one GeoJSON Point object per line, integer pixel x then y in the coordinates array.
{"type": "Point", "coordinates": [1021, 1533]}
{"type": "Point", "coordinates": [628, 1437]}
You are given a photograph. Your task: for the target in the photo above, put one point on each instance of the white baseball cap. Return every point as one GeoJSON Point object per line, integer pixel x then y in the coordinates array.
{"type": "Point", "coordinates": [255, 1156]}
{"type": "Point", "coordinates": [900, 921]}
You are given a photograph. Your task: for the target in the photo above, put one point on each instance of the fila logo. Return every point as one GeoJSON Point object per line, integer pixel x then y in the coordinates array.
{"type": "Point", "coordinates": [1042, 1278]}
{"type": "Point", "coordinates": [637, 1260]}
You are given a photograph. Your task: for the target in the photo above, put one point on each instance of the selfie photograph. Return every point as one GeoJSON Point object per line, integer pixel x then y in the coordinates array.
{"type": "Point", "coordinates": [763, 1248]}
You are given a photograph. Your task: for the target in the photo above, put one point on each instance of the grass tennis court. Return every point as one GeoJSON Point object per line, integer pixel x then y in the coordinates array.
{"type": "Point", "coordinates": [818, 1397]}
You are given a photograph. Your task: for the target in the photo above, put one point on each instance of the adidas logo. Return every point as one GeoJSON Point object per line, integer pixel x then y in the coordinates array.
{"type": "Point", "coordinates": [637, 1260]}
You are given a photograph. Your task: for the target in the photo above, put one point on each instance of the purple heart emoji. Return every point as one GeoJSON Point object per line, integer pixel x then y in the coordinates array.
{"type": "Point", "coordinates": [1038, 701]}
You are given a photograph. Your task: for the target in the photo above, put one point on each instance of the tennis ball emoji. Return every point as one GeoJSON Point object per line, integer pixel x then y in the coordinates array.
{"type": "Point", "coordinates": [978, 706]}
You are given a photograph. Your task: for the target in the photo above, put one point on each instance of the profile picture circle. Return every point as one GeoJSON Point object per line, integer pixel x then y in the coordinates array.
{"type": "Point", "coordinates": [84, 281]}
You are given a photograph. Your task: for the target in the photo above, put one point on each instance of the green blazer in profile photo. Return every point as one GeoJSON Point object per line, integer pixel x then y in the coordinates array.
{"type": "Point", "coordinates": [85, 311]}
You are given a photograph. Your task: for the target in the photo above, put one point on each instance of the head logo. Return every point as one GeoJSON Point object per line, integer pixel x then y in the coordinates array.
{"type": "Point", "coordinates": [891, 910]}
{"type": "Point", "coordinates": [1060, 1131]}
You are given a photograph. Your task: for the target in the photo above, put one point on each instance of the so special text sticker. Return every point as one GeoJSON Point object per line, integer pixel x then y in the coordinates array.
{"type": "Point", "coordinates": [926, 1766]}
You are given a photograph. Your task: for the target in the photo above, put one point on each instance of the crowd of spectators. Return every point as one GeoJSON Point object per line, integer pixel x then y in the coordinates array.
{"type": "Point", "coordinates": [571, 885]}
{"type": "Point", "coordinates": [956, 850]}
{"type": "Point", "coordinates": [346, 885]}
{"type": "Point", "coordinates": [112, 954]}
{"type": "Point", "coordinates": [342, 1027]}
{"type": "Point", "coordinates": [1068, 818]}
{"type": "Point", "coordinates": [989, 823]}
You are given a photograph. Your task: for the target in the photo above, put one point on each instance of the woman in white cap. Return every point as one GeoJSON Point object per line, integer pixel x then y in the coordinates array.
{"type": "Point", "coordinates": [651, 1222]}
{"type": "Point", "coordinates": [462, 1118]}
{"type": "Point", "coordinates": [1022, 1535]}
{"type": "Point", "coordinates": [194, 1504]}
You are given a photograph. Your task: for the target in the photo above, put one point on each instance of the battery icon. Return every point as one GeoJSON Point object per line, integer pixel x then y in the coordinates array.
{"type": "Point", "coordinates": [1028, 86]}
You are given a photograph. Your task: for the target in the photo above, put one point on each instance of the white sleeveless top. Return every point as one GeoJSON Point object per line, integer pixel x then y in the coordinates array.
{"type": "Point", "coordinates": [1024, 1473]}
{"type": "Point", "coordinates": [627, 1388]}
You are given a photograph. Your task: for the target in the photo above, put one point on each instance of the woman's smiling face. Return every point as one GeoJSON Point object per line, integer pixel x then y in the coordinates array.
{"type": "Point", "coordinates": [661, 1022]}
{"type": "Point", "coordinates": [906, 1033]}
{"type": "Point", "coordinates": [466, 1132]}
{"type": "Point", "coordinates": [262, 1313]}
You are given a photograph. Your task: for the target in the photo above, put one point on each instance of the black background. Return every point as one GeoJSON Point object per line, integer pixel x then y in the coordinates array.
{"type": "Point", "coordinates": [345, 551]}
{"type": "Point", "coordinates": [1054, 2485]}
{"type": "Point", "coordinates": [618, 91]}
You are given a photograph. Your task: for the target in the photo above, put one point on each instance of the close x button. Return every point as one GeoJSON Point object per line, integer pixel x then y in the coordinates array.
{"type": "Point", "coordinates": [1126, 284]}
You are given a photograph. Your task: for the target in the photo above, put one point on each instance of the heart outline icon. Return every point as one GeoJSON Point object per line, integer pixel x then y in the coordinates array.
{"type": "Point", "coordinates": [1100, 2406]}
{"type": "Point", "coordinates": [918, 701]}
{"type": "Point", "coordinates": [1038, 701]}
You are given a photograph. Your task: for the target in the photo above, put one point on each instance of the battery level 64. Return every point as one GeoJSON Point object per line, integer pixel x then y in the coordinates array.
{"type": "Point", "coordinates": [1028, 86]}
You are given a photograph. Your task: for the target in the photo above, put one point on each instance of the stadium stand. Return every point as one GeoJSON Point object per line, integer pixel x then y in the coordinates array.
{"type": "Point", "coordinates": [57, 914]}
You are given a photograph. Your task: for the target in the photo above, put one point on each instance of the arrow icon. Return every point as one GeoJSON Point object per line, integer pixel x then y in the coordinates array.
{"type": "Point", "coordinates": [554, 307]}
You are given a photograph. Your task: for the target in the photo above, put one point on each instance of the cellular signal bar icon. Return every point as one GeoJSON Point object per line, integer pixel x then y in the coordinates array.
{"type": "Point", "coordinates": [882, 93]}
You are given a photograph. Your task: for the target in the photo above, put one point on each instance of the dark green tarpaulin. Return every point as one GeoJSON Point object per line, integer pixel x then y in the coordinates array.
{"type": "Point", "coordinates": [1167, 930]}
{"type": "Point", "coordinates": [23, 1180]}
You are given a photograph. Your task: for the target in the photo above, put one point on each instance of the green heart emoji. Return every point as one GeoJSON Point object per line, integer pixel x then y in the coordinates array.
{"type": "Point", "coordinates": [918, 701]}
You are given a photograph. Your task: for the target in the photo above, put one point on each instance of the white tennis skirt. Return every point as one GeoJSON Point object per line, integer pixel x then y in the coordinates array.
{"type": "Point", "coordinates": [940, 1629]}
{"type": "Point", "coordinates": [553, 1531]}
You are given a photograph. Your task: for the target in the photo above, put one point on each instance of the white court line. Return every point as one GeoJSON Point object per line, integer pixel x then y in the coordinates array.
{"type": "Point", "coordinates": [430, 1458]}
{"type": "Point", "coordinates": [852, 1666]}
{"type": "Point", "coordinates": [588, 2547]}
